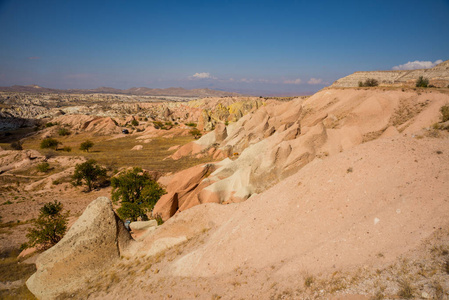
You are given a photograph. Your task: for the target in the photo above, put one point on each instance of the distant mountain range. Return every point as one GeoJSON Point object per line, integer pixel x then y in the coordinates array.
{"type": "Point", "coordinates": [141, 91]}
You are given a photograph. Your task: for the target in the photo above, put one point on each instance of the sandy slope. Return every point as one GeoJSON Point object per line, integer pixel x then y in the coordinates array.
{"type": "Point", "coordinates": [327, 216]}
{"type": "Point", "coordinates": [361, 208]}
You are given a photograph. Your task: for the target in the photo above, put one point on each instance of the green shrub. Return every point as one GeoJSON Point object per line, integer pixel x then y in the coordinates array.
{"type": "Point", "coordinates": [191, 124]}
{"type": "Point", "coordinates": [50, 143]}
{"type": "Point", "coordinates": [85, 146]}
{"type": "Point", "coordinates": [422, 82]}
{"type": "Point", "coordinates": [17, 145]}
{"type": "Point", "coordinates": [158, 125]}
{"type": "Point", "coordinates": [137, 193]}
{"type": "Point", "coordinates": [63, 131]}
{"type": "Point", "coordinates": [90, 173]}
{"type": "Point", "coordinates": [43, 167]}
{"type": "Point", "coordinates": [196, 133]}
{"type": "Point", "coordinates": [158, 219]}
{"type": "Point", "coordinates": [50, 124]}
{"type": "Point", "coordinates": [369, 82]}
{"type": "Point", "coordinates": [49, 228]}
{"type": "Point", "coordinates": [444, 113]}
{"type": "Point", "coordinates": [134, 122]}
{"type": "Point", "coordinates": [67, 149]}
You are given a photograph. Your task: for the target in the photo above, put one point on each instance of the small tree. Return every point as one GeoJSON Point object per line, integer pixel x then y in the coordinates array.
{"type": "Point", "coordinates": [422, 82]}
{"type": "Point", "coordinates": [50, 143]}
{"type": "Point", "coordinates": [49, 228]}
{"type": "Point", "coordinates": [137, 193]}
{"type": "Point", "coordinates": [89, 172]}
{"type": "Point", "coordinates": [85, 146]}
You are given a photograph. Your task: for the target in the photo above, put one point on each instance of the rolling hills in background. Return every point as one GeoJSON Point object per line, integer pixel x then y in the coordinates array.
{"type": "Point", "coordinates": [144, 91]}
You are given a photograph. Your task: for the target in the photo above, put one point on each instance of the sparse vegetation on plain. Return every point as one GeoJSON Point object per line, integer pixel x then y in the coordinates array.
{"type": "Point", "coordinates": [115, 153]}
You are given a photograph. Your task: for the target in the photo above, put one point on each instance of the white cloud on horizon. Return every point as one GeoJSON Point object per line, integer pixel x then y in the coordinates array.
{"type": "Point", "coordinates": [294, 81]}
{"type": "Point", "coordinates": [202, 75]}
{"type": "Point", "coordinates": [315, 81]}
{"type": "Point", "coordinates": [413, 65]}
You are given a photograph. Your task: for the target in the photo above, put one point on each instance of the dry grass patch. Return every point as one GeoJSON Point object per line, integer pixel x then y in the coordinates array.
{"type": "Point", "coordinates": [406, 290]}
{"type": "Point", "coordinates": [406, 111]}
{"type": "Point", "coordinates": [116, 153]}
{"type": "Point", "coordinates": [309, 280]}
{"type": "Point", "coordinates": [12, 270]}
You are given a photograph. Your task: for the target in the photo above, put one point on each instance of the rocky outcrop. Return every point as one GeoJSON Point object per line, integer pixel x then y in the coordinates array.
{"type": "Point", "coordinates": [183, 191]}
{"type": "Point", "coordinates": [93, 243]}
{"type": "Point", "coordinates": [220, 133]}
{"type": "Point", "coordinates": [438, 76]}
{"type": "Point", "coordinates": [222, 110]}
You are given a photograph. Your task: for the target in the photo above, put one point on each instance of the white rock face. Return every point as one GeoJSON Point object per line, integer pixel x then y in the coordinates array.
{"type": "Point", "coordinates": [96, 239]}
{"type": "Point", "coordinates": [143, 225]}
{"type": "Point", "coordinates": [137, 147]}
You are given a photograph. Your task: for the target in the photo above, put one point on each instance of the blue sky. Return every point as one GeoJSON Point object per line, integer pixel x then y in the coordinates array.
{"type": "Point", "coordinates": [258, 47]}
